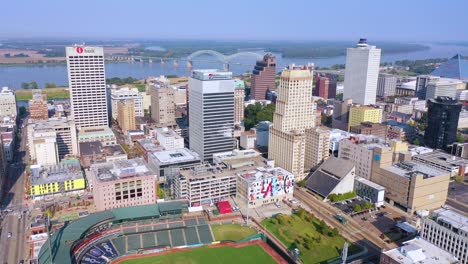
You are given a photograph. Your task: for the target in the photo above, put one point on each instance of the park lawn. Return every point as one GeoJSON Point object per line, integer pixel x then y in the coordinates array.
{"type": "Point", "coordinates": [232, 232]}
{"type": "Point", "coordinates": [328, 247]}
{"type": "Point", "coordinates": [52, 93]}
{"type": "Point", "coordinates": [220, 255]}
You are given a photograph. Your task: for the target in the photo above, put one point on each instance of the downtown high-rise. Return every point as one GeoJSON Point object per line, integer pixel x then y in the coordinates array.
{"type": "Point", "coordinates": [211, 112]}
{"type": "Point", "coordinates": [361, 73]}
{"type": "Point", "coordinates": [263, 77]}
{"type": "Point", "coordinates": [293, 115]}
{"type": "Point", "coordinates": [442, 122]}
{"type": "Point", "coordinates": [87, 82]}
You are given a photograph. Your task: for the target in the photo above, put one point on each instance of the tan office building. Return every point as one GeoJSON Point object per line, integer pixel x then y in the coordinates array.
{"type": "Point", "coordinates": [126, 115]}
{"type": "Point", "coordinates": [239, 98]}
{"type": "Point", "coordinates": [163, 104]}
{"type": "Point", "coordinates": [293, 115]}
{"type": "Point", "coordinates": [408, 185]}
{"type": "Point", "coordinates": [317, 146]}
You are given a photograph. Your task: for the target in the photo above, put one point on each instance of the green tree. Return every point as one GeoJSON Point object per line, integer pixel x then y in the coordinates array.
{"type": "Point", "coordinates": [33, 85]}
{"type": "Point", "coordinates": [357, 208]}
{"type": "Point", "coordinates": [460, 138]}
{"type": "Point", "coordinates": [50, 85]}
{"type": "Point", "coordinates": [25, 86]}
{"type": "Point", "coordinates": [416, 142]}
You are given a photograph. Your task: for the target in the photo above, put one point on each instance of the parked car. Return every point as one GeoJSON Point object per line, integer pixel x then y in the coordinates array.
{"type": "Point", "coordinates": [9, 234]}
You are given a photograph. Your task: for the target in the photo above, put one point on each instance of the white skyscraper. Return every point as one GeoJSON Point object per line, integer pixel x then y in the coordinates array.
{"type": "Point", "coordinates": [87, 81]}
{"type": "Point", "coordinates": [211, 112]}
{"type": "Point", "coordinates": [362, 72]}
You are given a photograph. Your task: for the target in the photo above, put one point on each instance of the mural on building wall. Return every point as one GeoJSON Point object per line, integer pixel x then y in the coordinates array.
{"type": "Point", "coordinates": [271, 187]}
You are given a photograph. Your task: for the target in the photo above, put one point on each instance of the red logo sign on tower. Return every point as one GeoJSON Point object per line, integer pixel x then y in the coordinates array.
{"type": "Point", "coordinates": [79, 50]}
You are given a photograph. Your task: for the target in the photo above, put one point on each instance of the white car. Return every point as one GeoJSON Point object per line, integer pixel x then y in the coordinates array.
{"type": "Point", "coordinates": [9, 234]}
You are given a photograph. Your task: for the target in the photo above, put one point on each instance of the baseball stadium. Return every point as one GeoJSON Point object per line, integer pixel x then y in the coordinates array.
{"type": "Point", "coordinates": [156, 233]}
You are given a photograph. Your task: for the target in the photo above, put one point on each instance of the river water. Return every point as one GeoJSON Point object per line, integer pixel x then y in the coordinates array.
{"type": "Point", "coordinates": [14, 75]}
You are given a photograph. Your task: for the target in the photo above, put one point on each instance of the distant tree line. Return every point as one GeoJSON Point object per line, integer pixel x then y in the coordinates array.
{"type": "Point", "coordinates": [121, 81]}
{"type": "Point", "coordinates": [19, 55]}
{"type": "Point", "coordinates": [34, 85]}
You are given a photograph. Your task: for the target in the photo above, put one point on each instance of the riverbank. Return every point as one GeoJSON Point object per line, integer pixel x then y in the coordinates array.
{"type": "Point", "coordinates": [52, 93]}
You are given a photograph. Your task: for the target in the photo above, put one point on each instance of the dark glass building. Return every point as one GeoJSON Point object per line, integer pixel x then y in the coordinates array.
{"type": "Point", "coordinates": [442, 122]}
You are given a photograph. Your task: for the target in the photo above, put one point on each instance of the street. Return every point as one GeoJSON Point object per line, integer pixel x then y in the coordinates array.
{"type": "Point", "coordinates": [15, 248]}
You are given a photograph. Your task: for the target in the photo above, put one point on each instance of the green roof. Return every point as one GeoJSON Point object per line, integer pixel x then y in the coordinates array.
{"type": "Point", "coordinates": [136, 212]}
{"type": "Point", "coordinates": [170, 206]}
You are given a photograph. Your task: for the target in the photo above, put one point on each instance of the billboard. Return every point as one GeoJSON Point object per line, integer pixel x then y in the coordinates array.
{"type": "Point", "coordinates": [271, 187]}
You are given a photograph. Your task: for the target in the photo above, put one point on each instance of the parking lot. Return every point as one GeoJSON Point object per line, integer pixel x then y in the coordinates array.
{"type": "Point", "coordinates": [264, 211]}
{"type": "Point", "coordinates": [459, 192]}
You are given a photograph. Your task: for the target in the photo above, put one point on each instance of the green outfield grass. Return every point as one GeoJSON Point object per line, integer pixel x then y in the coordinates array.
{"type": "Point", "coordinates": [232, 232]}
{"type": "Point", "coordinates": [221, 255]}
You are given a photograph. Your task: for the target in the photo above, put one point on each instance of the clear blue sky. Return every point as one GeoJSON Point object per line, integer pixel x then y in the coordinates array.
{"type": "Point", "coordinates": [399, 20]}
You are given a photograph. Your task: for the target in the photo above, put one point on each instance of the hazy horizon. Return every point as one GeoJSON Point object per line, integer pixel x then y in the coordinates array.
{"type": "Point", "coordinates": [242, 20]}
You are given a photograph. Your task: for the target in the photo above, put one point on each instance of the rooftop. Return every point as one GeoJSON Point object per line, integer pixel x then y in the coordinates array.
{"type": "Point", "coordinates": [228, 167]}
{"type": "Point", "coordinates": [441, 158]}
{"type": "Point", "coordinates": [370, 183]}
{"type": "Point", "coordinates": [453, 218]}
{"type": "Point", "coordinates": [235, 154]}
{"type": "Point", "coordinates": [88, 132]}
{"type": "Point", "coordinates": [263, 173]}
{"type": "Point", "coordinates": [149, 145]}
{"type": "Point", "coordinates": [120, 169]}
{"type": "Point", "coordinates": [166, 132]}
{"type": "Point", "coordinates": [410, 169]}
{"type": "Point", "coordinates": [420, 251]}
{"type": "Point", "coordinates": [95, 147]}
{"type": "Point", "coordinates": [51, 123]}
{"type": "Point", "coordinates": [175, 156]}
{"type": "Point", "coordinates": [57, 173]}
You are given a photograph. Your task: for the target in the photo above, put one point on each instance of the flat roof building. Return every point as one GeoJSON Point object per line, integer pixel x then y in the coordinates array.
{"type": "Point", "coordinates": [95, 152]}
{"type": "Point", "coordinates": [409, 185]}
{"type": "Point", "coordinates": [417, 251]}
{"type": "Point", "coordinates": [126, 93]}
{"type": "Point", "coordinates": [454, 165]}
{"type": "Point", "coordinates": [168, 163]}
{"type": "Point", "coordinates": [447, 230]}
{"type": "Point", "coordinates": [122, 183]}
{"type": "Point", "coordinates": [105, 135]}
{"type": "Point", "coordinates": [60, 178]}
{"type": "Point", "coordinates": [7, 102]}
{"type": "Point", "coordinates": [65, 130]}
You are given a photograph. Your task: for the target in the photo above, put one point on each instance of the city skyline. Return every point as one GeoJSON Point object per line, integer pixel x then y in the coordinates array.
{"type": "Point", "coordinates": [171, 20]}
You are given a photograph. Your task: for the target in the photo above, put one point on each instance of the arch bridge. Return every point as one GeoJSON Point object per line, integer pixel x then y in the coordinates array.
{"type": "Point", "coordinates": [225, 59]}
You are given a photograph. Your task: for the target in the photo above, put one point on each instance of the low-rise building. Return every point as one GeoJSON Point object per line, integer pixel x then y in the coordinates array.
{"type": "Point", "coordinates": [443, 87]}
{"type": "Point", "coordinates": [369, 191]}
{"type": "Point", "coordinates": [169, 139]}
{"type": "Point", "coordinates": [262, 130]}
{"type": "Point", "coordinates": [454, 165]}
{"type": "Point", "coordinates": [368, 128]}
{"type": "Point", "coordinates": [38, 109]}
{"type": "Point", "coordinates": [359, 150]}
{"type": "Point", "coordinates": [447, 230]}
{"type": "Point", "coordinates": [168, 163]}
{"type": "Point", "coordinates": [62, 178]}
{"type": "Point", "coordinates": [122, 183]}
{"type": "Point", "coordinates": [248, 139]}
{"type": "Point", "coordinates": [104, 134]}
{"type": "Point", "coordinates": [408, 185]}
{"type": "Point", "coordinates": [400, 131]}
{"type": "Point", "coordinates": [45, 147]}
{"type": "Point", "coordinates": [207, 184]}
{"type": "Point", "coordinates": [264, 185]}
{"type": "Point", "coordinates": [95, 152]}
{"type": "Point", "coordinates": [123, 94]}
{"type": "Point", "coordinates": [334, 176]}
{"type": "Point", "coordinates": [65, 131]}
{"type": "Point", "coordinates": [417, 251]}
{"type": "Point", "coordinates": [364, 113]}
